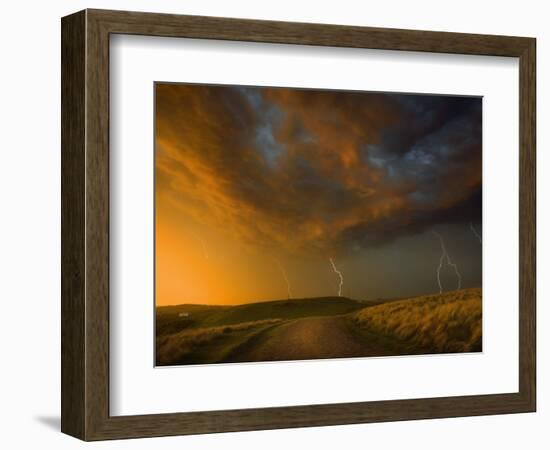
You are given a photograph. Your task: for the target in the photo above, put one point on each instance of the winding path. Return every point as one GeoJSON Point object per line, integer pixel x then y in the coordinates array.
{"type": "Point", "coordinates": [309, 338]}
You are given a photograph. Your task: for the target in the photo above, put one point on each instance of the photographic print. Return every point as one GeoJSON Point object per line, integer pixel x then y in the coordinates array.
{"type": "Point", "coordinates": [299, 224]}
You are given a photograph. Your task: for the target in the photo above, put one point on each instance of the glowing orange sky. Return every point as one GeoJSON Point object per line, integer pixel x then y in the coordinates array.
{"type": "Point", "coordinates": [251, 182]}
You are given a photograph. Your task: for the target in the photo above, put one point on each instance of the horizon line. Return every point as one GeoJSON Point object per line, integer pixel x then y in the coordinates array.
{"type": "Point", "coordinates": [317, 297]}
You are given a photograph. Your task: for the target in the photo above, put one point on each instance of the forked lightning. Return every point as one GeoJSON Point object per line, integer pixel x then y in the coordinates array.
{"type": "Point", "coordinates": [445, 256]}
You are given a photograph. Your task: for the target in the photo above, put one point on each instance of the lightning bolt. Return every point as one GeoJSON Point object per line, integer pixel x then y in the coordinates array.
{"type": "Point", "coordinates": [439, 272]}
{"type": "Point", "coordinates": [445, 256]}
{"type": "Point", "coordinates": [283, 271]}
{"type": "Point", "coordinates": [475, 232]}
{"type": "Point", "coordinates": [340, 275]}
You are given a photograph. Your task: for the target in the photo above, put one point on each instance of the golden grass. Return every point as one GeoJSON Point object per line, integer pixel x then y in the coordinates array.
{"type": "Point", "coordinates": [450, 322]}
{"type": "Point", "coordinates": [175, 346]}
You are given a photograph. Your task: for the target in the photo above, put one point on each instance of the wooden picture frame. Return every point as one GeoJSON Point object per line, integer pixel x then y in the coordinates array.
{"type": "Point", "coordinates": [85, 224]}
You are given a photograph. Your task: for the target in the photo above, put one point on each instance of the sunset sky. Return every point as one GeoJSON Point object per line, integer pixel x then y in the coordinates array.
{"type": "Point", "coordinates": [257, 189]}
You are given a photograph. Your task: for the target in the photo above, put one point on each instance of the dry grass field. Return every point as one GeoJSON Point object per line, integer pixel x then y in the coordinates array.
{"type": "Point", "coordinates": [449, 322]}
{"type": "Point", "coordinates": [177, 346]}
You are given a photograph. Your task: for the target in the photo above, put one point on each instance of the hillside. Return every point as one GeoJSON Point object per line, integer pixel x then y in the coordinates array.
{"type": "Point", "coordinates": [173, 318]}
{"type": "Point", "coordinates": [450, 322]}
{"type": "Point", "coordinates": [328, 327]}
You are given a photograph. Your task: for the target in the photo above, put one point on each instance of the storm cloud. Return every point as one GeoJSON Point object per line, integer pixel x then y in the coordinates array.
{"type": "Point", "coordinates": [317, 170]}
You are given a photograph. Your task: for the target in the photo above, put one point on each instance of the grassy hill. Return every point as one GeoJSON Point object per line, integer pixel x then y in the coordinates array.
{"type": "Point", "coordinates": [449, 322]}
{"type": "Point", "coordinates": [327, 327]}
{"type": "Point", "coordinates": [174, 318]}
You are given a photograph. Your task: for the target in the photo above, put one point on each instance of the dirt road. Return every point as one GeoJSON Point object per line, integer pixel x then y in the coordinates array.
{"type": "Point", "coordinates": [311, 338]}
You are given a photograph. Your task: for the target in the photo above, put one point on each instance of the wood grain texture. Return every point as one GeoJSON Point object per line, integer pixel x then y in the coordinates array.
{"type": "Point", "coordinates": [152, 24]}
{"type": "Point", "coordinates": [73, 227]}
{"type": "Point", "coordinates": [527, 224]}
{"type": "Point", "coordinates": [85, 224]}
{"type": "Point", "coordinates": [97, 226]}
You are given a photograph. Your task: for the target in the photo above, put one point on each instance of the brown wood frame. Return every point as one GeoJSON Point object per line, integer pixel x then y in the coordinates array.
{"type": "Point", "coordinates": [85, 224]}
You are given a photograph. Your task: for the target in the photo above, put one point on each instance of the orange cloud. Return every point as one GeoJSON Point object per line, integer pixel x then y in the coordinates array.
{"type": "Point", "coordinates": [314, 171]}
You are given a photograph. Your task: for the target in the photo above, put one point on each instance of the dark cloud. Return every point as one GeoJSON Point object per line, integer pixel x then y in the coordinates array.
{"type": "Point", "coordinates": [416, 221]}
{"type": "Point", "coordinates": [318, 170]}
